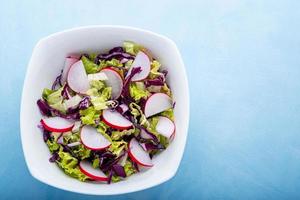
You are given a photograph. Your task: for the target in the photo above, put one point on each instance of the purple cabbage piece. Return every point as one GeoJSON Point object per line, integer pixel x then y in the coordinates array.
{"type": "Point", "coordinates": [65, 92]}
{"type": "Point", "coordinates": [49, 111]}
{"type": "Point", "coordinates": [84, 103]}
{"type": "Point", "coordinates": [116, 55]}
{"type": "Point", "coordinates": [151, 135]}
{"type": "Point", "coordinates": [110, 174]}
{"type": "Point", "coordinates": [57, 82]}
{"type": "Point", "coordinates": [116, 49]}
{"type": "Point", "coordinates": [46, 134]}
{"type": "Point", "coordinates": [150, 146]}
{"type": "Point", "coordinates": [54, 157]}
{"type": "Point", "coordinates": [119, 170]}
{"type": "Point", "coordinates": [158, 81]}
{"type": "Point", "coordinates": [125, 92]}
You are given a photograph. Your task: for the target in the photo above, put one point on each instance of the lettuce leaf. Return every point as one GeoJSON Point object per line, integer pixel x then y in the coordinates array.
{"type": "Point", "coordinates": [165, 89]}
{"type": "Point", "coordinates": [90, 66]}
{"type": "Point", "coordinates": [117, 147]}
{"type": "Point", "coordinates": [168, 113]}
{"type": "Point", "coordinates": [155, 66]}
{"type": "Point", "coordinates": [137, 91]}
{"type": "Point", "coordinates": [89, 115]}
{"type": "Point", "coordinates": [81, 152]}
{"type": "Point", "coordinates": [96, 163]}
{"type": "Point", "coordinates": [102, 128]}
{"type": "Point", "coordinates": [110, 63]}
{"type": "Point", "coordinates": [69, 165]}
{"type": "Point", "coordinates": [117, 135]}
{"type": "Point", "coordinates": [129, 168]}
{"type": "Point", "coordinates": [136, 111]}
{"type": "Point", "coordinates": [53, 146]}
{"type": "Point", "coordinates": [131, 47]}
{"type": "Point", "coordinates": [55, 99]}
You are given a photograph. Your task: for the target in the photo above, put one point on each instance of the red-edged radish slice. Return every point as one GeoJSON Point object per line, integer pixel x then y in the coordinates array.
{"type": "Point", "coordinates": [157, 103]}
{"type": "Point", "coordinates": [124, 108]}
{"type": "Point", "coordinates": [68, 63]}
{"type": "Point", "coordinates": [138, 155]}
{"type": "Point", "coordinates": [143, 61]}
{"type": "Point", "coordinates": [114, 80]}
{"type": "Point", "coordinates": [115, 120]}
{"type": "Point", "coordinates": [165, 127]}
{"type": "Point", "coordinates": [93, 140]}
{"type": "Point", "coordinates": [57, 124]}
{"type": "Point", "coordinates": [94, 174]}
{"type": "Point", "coordinates": [77, 78]}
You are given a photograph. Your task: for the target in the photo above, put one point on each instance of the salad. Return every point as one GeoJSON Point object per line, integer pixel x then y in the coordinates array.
{"type": "Point", "coordinates": [106, 115]}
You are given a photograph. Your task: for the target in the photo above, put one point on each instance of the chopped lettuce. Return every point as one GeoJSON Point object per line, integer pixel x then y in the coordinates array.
{"type": "Point", "coordinates": [115, 179]}
{"type": "Point", "coordinates": [69, 165]}
{"type": "Point", "coordinates": [110, 63]}
{"type": "Point", "coordinates": [89, 115]}
{"type": "Point", "coordinates": [136, 111]}
{"type": "Point", "coordinates": [128, 64]}
{"type": "Point", "coordinates": [96, 163]}
{"type": "Point", "coordinates": [55, 99]}
{"type": "Point", "coordinates": [89, 65]}
{"type": "Point", "coordinates": [97, 84]}
{"type": "Point", "coordinates": [155, 66]}
{"type": "Point", "coordinates": [129, 168]}
{"type": "Point", "coordinates": [131, 47]}
{"type": "Point", "coordinates": [168, 113]}
{"type": "Point", "coordinates": [117, 135]}
{"type": "Point", "coordinates": [81, 152]}
{"type": "Point", "coordinates": [137, 91]}
{"type": "Point", "coordinates": [165, 89]}
{"type": "Point", "coordinates": [102, 128]}
{"type": "Point", "coordinates": [117, 147]}
{"type": "Point", "coordinates": [53, 146]}
{"type": "Point", "coordinates": [71, 137]}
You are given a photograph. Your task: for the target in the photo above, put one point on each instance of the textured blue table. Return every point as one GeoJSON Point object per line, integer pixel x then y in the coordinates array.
{"type": "Point", "coordinates": [243, 63]}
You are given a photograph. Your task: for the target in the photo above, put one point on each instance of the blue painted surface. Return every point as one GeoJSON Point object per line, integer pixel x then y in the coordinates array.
{"type": "Point", "coordinates": [243, 64]}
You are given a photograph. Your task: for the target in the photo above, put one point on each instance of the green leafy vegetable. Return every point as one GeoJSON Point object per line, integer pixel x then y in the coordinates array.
{"type": "Point", "coordinates": [69, 165]}
{"type": "Point", "coordinates": [96, 163]}
{"type": "Point", "coordinates": [110, 63]}
{"type": "Point", "coordinates": [117, 147]}
{"type": "Point", "coordinates": [81, 152]}
{"type": "Point", "coordinates": [168, 113]}
{"type": "Point", "coordinates": [155, 66]}
{"type": "Point", "coordinates": [129, 168]}
{"type": "Point", "coordinates": [136, 111]}
{"type": "Point", "coordinates": [54, 99]}
{"type": "Point", "coordinates": [53, 146]}
{"type": "Point", "coordinates": [89, 115]}
{"type": "Point", "coordinates": [90, 66]}
{"type": "Point", "coordinates": [131, 47]}
{"type": "Point", "coordinates": [137, 91]}
{"type": "Point", "coordinates": [117, 135]}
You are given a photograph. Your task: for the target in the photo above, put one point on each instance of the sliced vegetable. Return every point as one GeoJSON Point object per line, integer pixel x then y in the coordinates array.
{"type": "Point", "coordinates": [69, 61]}
{"type": "Point", "coordinates": [114, 80]}
{"type": "Point", "coordinates": [138, 155]}
{"type": "Point", "coordinates": [57, 124]}
{"type": "Point", "coordinates": [141, 60]}
{"type": "Point", "coordinates": [157, 103]}
{"type": "Point", "coordinates": [93, 140]}
{"type": "Point", "coordinates": [77, 78]}
{"type": "Point", "coordinates": [165, 127]}
{"type": "Point", "coordinates": [115, 120]}
{"type": "Point", "coordinates": [94, 174]}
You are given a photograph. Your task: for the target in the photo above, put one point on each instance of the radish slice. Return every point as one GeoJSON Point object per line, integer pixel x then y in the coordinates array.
{"type": "Point", "coordinates": [157, 103]}
{"type": "Point", "coordinates": [77, 78]}
{"type": "Point", "coordinates": [57, 124]}
{"type": "Point", "coordinates": [68, 63]}
{"type": "Point", "coordinates": [60, 139]}
{"type": "Point", "coordinates": [165, 127]}
{"type": "Point", "coordinates": [98, 76]}
{"type": "Point", "coordinates": [93, 140]}
{"type": "Point", "coordinates": [95, 174]}
{"type": "Point", "coordinates": [114, 80]}
{"type": "Point", "coordinates": [115, 120]}
{"type": "Point", "coordinates": [141, 60]}
{"type": "Point", "coordinates": [138, 155]}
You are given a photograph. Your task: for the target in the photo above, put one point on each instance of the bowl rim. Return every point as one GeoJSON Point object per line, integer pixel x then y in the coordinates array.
{"type": "Point", "coordinates": [143, 31]}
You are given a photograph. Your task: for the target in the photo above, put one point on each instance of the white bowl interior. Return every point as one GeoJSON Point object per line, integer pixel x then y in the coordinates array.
{"type": "Point", "coordinates": [47, 61]}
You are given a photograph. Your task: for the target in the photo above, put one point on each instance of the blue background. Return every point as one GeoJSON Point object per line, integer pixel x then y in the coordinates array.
{"type": "Point", "coordinates": [243, 65]}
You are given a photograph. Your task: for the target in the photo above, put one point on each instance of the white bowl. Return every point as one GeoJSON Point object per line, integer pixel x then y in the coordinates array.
{"type": "Point", "coordinates": [46, 63]}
